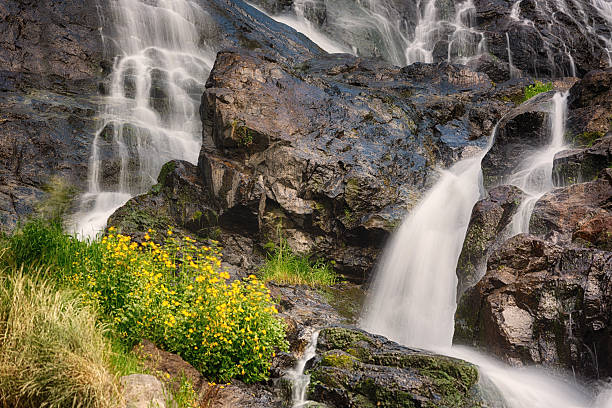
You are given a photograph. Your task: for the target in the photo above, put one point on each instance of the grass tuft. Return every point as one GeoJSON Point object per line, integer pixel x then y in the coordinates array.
{"type": "Point", "coordinates": [52, 349]}
{"type": "Point", "coordinates": [285, 267]}
{"type": "Point", "coordinates": [537, 88]}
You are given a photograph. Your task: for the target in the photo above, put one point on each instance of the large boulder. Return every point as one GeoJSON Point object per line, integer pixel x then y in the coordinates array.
{"type": "Point", "coordinates": [357, 369]}
{"type": "Point", "coordinates": [579, 213]}
{"type": "Point", "coordinates": [541, 303]}
{"type": "Point", "coordinates": [335, 149]}
{"type": "Point", "coordinates": [490, 216]}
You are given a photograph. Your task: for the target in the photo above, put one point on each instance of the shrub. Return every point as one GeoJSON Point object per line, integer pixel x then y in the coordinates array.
{"type": "Point", "coordinates": [176, 295]}
{"type": "Point", "coordinates": [283, 266]}
{"type": "Point", "coordinates": [52, 350]}
{"type": "Point", "coordinates": [537, 88]}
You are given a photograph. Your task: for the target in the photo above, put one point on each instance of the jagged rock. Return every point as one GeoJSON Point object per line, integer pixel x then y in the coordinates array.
{"type": "Point", "coordinates": [580, 165]}
{"type": "Point", "coordinates": [489, 218]}
{"type": "Point", "coordinates": [541, 303]}
{"type": "Point", "coordinates": [589, 107]}
{"type": "Point", "coordinates": [145, 391]}
{"type": "Point", "coordinates": [335, 149]}
{"type": "Point", "coordinates": [579, 213]}
{"type": "Point", "coordinates": [358, 369]}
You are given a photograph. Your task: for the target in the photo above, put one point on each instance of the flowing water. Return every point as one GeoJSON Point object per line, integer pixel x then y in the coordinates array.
{"type": "Point", "coordinates": [534, 174]}
{"type": "Point", "coordinates": [412, 299]}
{"type": "Point", "coordinates": [151, 110]}
{"type": "Point", "coordinates": [299, 380]}
{"type": "Point", "coordinates": [418, 32]}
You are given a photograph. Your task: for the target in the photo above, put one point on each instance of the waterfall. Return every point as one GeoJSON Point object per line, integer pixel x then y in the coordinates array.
{"type": "Point", "coordinates": [299, 380]}
{"type": "Point", "coordinates": [534, 174]}
{"type": "Point", "coordinates": [420, 32]}
{"type": "Point", "coordinates": [150, 114]}
{"type": "Point", "coordinates": [412, 298]}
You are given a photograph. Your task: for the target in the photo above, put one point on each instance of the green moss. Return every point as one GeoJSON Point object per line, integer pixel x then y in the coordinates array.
{"type": "Point", "coordinates": [165, 170]}
{"type": "Point", "coordinates": [586, 139]}
{"type": "Point", "coordinates": [535, 89]}
{"type": "Point", "coordinates": [338, 360]}
{"type": "Point", "coordinates": [343, 339]}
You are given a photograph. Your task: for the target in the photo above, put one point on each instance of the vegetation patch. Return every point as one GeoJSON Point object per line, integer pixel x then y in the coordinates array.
{"type": "Point", "coordinates": [174, 294]}
{"type": "Point", "coordinates": [537, 88]}
{"type": "Point", "coordinates": [586, 139]}
{"type": "Point", "coordinates": [285, 267]}
{"type": "Point", "coordinates": [52, 350]}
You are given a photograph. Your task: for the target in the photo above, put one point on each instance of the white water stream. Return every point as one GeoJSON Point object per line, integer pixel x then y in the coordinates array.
{"type": "Point", "coordinates": [412, 299]}
{"type": "Point", "coordinates": [151, 112]}
{"type": "Point", "coordinates": [376, 27]}
{"type": "Point", "coordinates": [299, 380]}
{"type": "Point", "coordinates": [534, 174]}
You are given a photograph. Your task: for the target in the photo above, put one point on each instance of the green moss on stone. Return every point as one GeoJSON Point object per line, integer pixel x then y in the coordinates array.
{"type": "Point", "coordinates": [338, 360]}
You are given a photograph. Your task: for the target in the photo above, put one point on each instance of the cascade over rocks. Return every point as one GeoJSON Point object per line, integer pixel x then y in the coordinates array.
{"type": "Point", "coordinates": [546, 37]}
{"type": "Point", "coordinates": [336, 149]}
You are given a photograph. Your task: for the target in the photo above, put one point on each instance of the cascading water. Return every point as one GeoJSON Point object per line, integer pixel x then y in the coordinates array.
{"type": "Point", "coordinates": [534, 175]}
{"type": "Point", "coordinates": [151, 111]}
{"type": "Point", "coordinates": [416, 33]}
{"type": "Point", "coordinates": [404, 305]}
{"type": "Point", "coordinates": [412, 299]}
{"type": "Point", "coordinates": [299, 380]}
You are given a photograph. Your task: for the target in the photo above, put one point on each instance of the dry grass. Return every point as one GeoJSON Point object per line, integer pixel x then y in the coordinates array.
{"type": "Point", "coordinates": [52, 350]}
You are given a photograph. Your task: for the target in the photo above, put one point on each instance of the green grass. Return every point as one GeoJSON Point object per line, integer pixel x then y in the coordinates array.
{"type": "Point", "coordinates": [535, 89]}
{"type": "Point", "coordinates": [285, 267]}
{"type": "Point", "coordinates": [53, 352]}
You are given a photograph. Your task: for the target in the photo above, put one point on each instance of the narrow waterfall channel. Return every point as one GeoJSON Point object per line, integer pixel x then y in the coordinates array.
{"type": "Point", "coordinates": [151, 113]}
{"type": "Point", "coordinates": [412, 298]}
{"type": "Point", "coordinates": [534, 175]}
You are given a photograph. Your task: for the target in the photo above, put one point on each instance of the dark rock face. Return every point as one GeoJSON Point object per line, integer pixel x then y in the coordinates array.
{"type": "Point", "coordinates": [335, 149]}
{"type": "Point", "coordinates": [50, 64]}
{"type": "Point", "coordinates": [579, 213]}
{"type": "Point", "coordinates": [580, 165]}
{"type": "Point", "coordinates": [544, 36]}
{"type": "Point", "coordinates": [490, 217]}
{"type": "Point", "coordinates": [545, 304]}
{"type": "Point", "coordinates": [589, 105]}
{"type": "Point", "coordinates": [357, 369]}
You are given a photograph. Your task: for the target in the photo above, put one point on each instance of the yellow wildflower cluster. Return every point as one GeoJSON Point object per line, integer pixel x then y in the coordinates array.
{"type": "Point", "coordinates": [177, 295]}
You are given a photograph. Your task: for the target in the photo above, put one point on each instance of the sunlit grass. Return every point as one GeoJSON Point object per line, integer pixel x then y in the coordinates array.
{"type": "Point", "coordinates": [285, 267]}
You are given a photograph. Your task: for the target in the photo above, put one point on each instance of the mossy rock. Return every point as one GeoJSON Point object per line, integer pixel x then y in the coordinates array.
{"type": "Point", "coordinates": [359, 369]}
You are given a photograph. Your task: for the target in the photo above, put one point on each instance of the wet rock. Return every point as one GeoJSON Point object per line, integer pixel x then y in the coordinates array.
{"type": "Point", "coordinates": [545, 39]}
{"type": "Point", "coordinates": [580, 165]}
{"type": "Point", "coordinates": [50, 63]}
{"type": "Point", "coordinates": [489, 218]}
{"type": "Point", "coordinates": [541, 303]}
{"type": "Point", "coordinates": [357, 369]}
{"type": "Point", "coordinates": [589, 105]}
{"type": "Point", "coordinates": [579, 213]}
{"type": "Point", "coordinates": [336, 149]}
{"type": "Point", "coordinates": [524, 130]}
